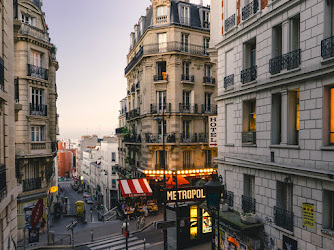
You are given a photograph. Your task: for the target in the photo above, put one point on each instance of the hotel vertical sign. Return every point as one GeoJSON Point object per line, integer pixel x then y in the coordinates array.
{"type": "Point", "coordinates": [213, 140]}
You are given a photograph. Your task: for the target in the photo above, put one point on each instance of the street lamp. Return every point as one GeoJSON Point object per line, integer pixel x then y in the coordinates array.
{"type": "Point", "coordinates": [213, 191]}
{"type": "Point", "coordinates": [50, 191]}
{"type": "Point", "coordinates": [164, 169]}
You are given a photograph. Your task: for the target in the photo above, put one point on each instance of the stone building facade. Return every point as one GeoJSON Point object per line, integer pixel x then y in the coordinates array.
{"type": "Point", "coordinates": [275, 114]}
{"type": "Point", "coordinates": [169, 74]}
{"type": "Point", "coordinates": [9, 189]}
{"type": "Point", "coordinates": [36, 111]}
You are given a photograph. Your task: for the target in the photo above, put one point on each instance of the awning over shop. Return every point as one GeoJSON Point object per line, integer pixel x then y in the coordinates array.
{"type": "Point", "coordinates": [181, 182]}
{"type": "Point", "coordinates": [135, 187]}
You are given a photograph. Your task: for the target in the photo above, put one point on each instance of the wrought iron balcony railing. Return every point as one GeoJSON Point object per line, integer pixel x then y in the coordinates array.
{"type": "Point", "coordinates": [134, 60]}
{"type": "Point", "coordinates": [2, 74]}
{"type": "Point", "coordinates": [159, 108]}
{"type": "Point", "coordinates": [248, 204]}
{"type": "Point", "coordinates": [209, 80]}
{"type": "Point", "coordinates": [119, 130]}
{"type": "Point", "coordinates": [133, 114]}
{"type": "Point", "coordinates": [38, 109]}
{"type": "Point", "coordinates": [287, 61]}
{"type": "Point", "coordinates": [27, 29]}
{"type": "Point", "coordinates": [37, 72]}
{"type": "Point", "coordinates": [248, 75]}
{"type": "Point", "coordinates": [132, 138]}
{"type": "Point", "coordinates": [187, 78]}
{"type": "Point", "coordinates": [209, 109]}
{"type": "Point", "coordinates": [188, 108]}
{"type": "Point", "coordinates": [248, 137]}
{"type": "Point", "coordinates": [229, 22]}
{"type": "Point", "coordinates": [163, 77]}
{"type": "Point", "coordinates": [228, 81]}
{"type": "Point", "coordinates": [229, 198]}
{"type": "Point", "coordinates": [3, 181]}
{"type": "Point", "coordinates": [203, 138]}
{"type": "Point", "coordinates": [38, 146]}
{"type": "Point", "coordinates": [250, 9]}
{"type": "Point", "coordinates": [283, 218]}
{"type": "Point", "coordinates": [188, 138]}
{"type": "Point", "coordinates": [157, 138]}
{"type": "Point", "coordinates": [32, 184]}
{"type": "Point", "coordinates": [327, 47]}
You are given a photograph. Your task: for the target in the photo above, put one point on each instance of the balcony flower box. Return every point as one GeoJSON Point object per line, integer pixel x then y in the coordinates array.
{"type": "Point", "coordinates": [248, 218]}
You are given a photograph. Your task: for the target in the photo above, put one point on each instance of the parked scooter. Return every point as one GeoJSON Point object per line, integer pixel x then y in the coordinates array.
{"type": "Point", "coordinates": [57, 210]}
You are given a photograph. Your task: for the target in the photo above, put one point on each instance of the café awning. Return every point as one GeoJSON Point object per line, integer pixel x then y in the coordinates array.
{"type": "Point", "coordinates": [135, 188]}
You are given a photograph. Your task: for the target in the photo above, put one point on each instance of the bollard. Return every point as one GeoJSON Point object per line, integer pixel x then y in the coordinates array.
{"type": "Point", "coordinates": [144, 244]}
{"type": "Point", "coordinates": [92, 234]}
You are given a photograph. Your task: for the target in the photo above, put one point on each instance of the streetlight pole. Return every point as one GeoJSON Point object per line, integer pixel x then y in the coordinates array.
{"type": "Point", "coordinates": [164, 167]}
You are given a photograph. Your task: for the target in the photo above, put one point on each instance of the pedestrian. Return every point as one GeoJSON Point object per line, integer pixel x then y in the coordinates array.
{"type": "Point", "coordinates": [145, 210]}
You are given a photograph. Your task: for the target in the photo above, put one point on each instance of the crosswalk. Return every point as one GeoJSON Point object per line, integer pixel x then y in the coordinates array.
{"type": "Point", "coordinates": [118, 243]}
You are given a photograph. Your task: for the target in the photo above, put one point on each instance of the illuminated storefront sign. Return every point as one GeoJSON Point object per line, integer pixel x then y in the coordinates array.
{"type": "Point", "coordinates": [193, 222]}
{"type": "Point", "coordinates": [185, 194]}
{"type": "Point", "coordinates": [206, 222]}
{"type": "Point", "coordinates": [192, 173]}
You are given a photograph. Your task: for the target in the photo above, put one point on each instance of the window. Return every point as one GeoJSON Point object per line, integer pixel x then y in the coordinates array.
{"type": "Point", "coordinates": [187, 163]}
{"type": "Point", "coordinates": [208, 158]}
{"type": "Point", "coordinates": [331, 132]}
{"type": "Point", "coordinates": [207, 101]}
{"type": "Point", "coordinates": [294, 33]}
{"type": "Point", "coordinates": [28, 20]}
{"type": "Point", "coordinates": [293, 117]}
{"type": "Point", "coordinates": [36, 58]}
{"type": "Point", "coordinates": [250, 54]}
{"type": "Point", "coordinates": [207, 71]}
{"type": "Point", "coordinates": [249, 115]}
{"type": "Point", "coordinates": [184, 15]}
{"type": "Point", "coordinates": [186, 128]}
{"type": "Point", "coordinates": [185, 69]}
{"type": "Point", "coordinates": [161, 100]}
{"type": "Point", "coordinates": [276, 116]}
{"type": "Point", "coordinates": [206, 45]}
{"type": "Point", "coordinates": [161, 11]}
{"type": "Point", "coordinates": [161, 71]}
{"type": "Point", "coordinates": [184, 42]}
{"type": "Point", "coordinates": [229, 63]}
{"type": "Point", "coordinates": [277, 41]}
{"type": "Point", "coordinates": [229, 117]}
{"type": "Point", "coordinates": [162, 42]}
{"type": "Point", "coordinates": [248, 201]}
{"type": "Point", "coordinates": [113, 183]}
{"type": "Point", "coordinates": [284, 195]}
{"type": "Point", "coordinates": [32, 171]}
{"type": "Point", "coordinates": [186, 99]}
{"type": "Point", "coordinates": [36, 96]}
{"type": "Point", "coordinates": [160, 127]}
{"type": "Point", "coordinates": [37, 133]}
{"type": "Point", "coordinates": [328, 210]}
{"type": "Point", "coordinates": [160, 159]}
{"type": "Point", "coordinates": [113, 156]}
{"type": "Point", "coordinates": [206, 20]}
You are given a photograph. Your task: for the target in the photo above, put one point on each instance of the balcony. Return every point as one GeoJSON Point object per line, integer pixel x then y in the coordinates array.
{"type": "Point", "coordinates": [248, 75]}
{"type": "Point", "coordinates": [161, 20]}
{"type": "Point", "coordinates": [32, 184]}
{"type": "Point", "coordinates": [159, 108]}
{"type": "Point", "coordinates": [250, 9]}
{"type": "Point", "coordinates": [2, 75]}
{"type": "Point", "coordinates": [248, 204]}
{"type": "Point", "coordinates": [119, 131]}
{"type": "Point", "coordinates": [157, 138]}
{"type": "Point", "coordinates": [132, 138]}
{"type": "Point", "coordinates": [229, 22]}
{"type": "Point", "coordinates": [229, 198]}
{"type": "Point", "coordinates": [203, 138]}
{"type": "Point", "coordinates": [3, 181]}
{"type": "Point", "coordinates": [27, 29]}
{"type": "Point", "coordinates": [228, 81]}
{"type": "Point", "coordinates": [37, 72]}
{"type": "Point", "coordinates": [209, 80]}
{"type": "Point", "coordinates": [38, 146]}
{"type": "Point", "coordinates": [38, 109]}
{"type": "Point", "coordinates": [327, 48]}
{"type": "Point", "coordinates": [188, 138]}
{"type": "Point", "coordinates": [283, 218]}
{"type": "Point", "coordinates": [187, 78]}
{"type": "Point", "coordinates": [248, 138]}
{"type": "Point", "coordinates": [158, 78]}
{"type": "Point", "coordinates": [287, 61]}
{"type": "Point", "coordinates": [188, 108]}
{"type": "Point", "coordinates": [134, 60]}
{"type": "Point", "coordinates": [133, 114]}
{"type": "Point", "coordinates": [209, 109]}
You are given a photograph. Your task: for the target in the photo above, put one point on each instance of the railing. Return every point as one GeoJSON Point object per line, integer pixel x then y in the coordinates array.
{"type": "Point", "coordinates": [38, 109]}
{"type": "Point", "coordinates": [161, 19]}
{"type": "Point", "coordinates": [209, 109]}
{"type": "Point", "coordinates": [209, 80]}
{"type": "Point", "coordinates": [188, 108]}
{"type": "Point", "coordinates": [119, 130]}
{"type": "Point", "coordinates": [37, 72]}
{"type": "Point", "coordinates": [203, 138]}
{"type": "Point", "coordinates": [188, 138]}
{"type": "Point", "coordinates": [248, 75]}
{"type": "Point", "coordinates": [2, 75]}
{"type": "Point", "coordinates": [248, 137]}
{"type": "Point", "coordinates": [54, 146]}
{"type": "Point", "coordinates": [250, 9]}
{"type": "Point", "coordinates": [158, 108]}
{"type": "Point", "coordinates": [27, 29]}
{"type": "Point", "coordinates": [157, 78]}
{"type": "Point", "coordinates": [134, 60]}
{"type": "Point", "coordinates": [248, 204]}
{"type": "Point", "coordinates": [327, 47]}
{"type": "Point", "coordinates": [17, 91]}
{"type": "Point", "coordinates": [132, 138]}
{"type": "Point", "coordinates": [185, 21]}
{"type": "Point", "coordinates": [229, 22]}
{"type": "Point", "coordinates": [228, 81]}
{"type": "Point", "coordinates": [287, 61]}
{"type": "Point", "coordinates": [283, 218]}
{"type": "Point", "coordinates": [229, 198]}
{"type": "Point", "coordinates": [38, 146]}
{"type": "Point", "coordinates": [133, 114]}
{"type": "Point", "coordinates": [157, 138]}
{"type": "Point", "coordinates": [32, 184]}
{"type": "Point", "coordinates": [187, 78]}
{"type": "Point", "coordinates": [3, 181]}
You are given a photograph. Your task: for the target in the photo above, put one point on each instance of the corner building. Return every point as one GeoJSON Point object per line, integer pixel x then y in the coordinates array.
{"type": "Point", "coordinates": [35, 108]}
{"type": "Point", "coordinates": [169, 71]}
{"type": "Point", "coordinates": [276, 121]}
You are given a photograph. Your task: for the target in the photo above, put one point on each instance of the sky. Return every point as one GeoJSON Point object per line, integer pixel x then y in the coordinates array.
{"type": "Point", "coordinates": [92, 43]}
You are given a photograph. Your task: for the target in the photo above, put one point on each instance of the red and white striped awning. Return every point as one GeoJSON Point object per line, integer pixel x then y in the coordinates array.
{"type": "Point", "coordinates": [135, 188]}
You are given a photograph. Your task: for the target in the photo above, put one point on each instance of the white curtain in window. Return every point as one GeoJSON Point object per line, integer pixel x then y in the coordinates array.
{"type": "Point", "coordinates": [161, 11]}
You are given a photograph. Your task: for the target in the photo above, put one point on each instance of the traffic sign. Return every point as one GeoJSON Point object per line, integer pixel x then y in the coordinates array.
{"type": "Point", "coordinates": [72, 225]}
{"type": "Point", "coordinates": [37, 213]}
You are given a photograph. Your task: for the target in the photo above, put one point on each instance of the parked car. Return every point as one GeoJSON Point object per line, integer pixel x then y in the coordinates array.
{"type": "Point", "coordinates": [89, 200]}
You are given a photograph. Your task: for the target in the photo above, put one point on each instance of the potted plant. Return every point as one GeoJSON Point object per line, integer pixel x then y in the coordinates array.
{"type": "Point", "coordinates": [248, 218]}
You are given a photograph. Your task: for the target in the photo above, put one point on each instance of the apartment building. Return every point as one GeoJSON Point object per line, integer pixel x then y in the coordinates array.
{"type": "Point", "coordinates": [9, 188]}
{"type": "Point", "coordinates": [85, 143]}
{"type": "Point", "coordinates": [90, 161]}
{"type": "Point", "coordinates": [276, 121]}
{"type": "Point", "coordinates": [171, 91]}
{"type": "Point", "coordinates": [35, 109]}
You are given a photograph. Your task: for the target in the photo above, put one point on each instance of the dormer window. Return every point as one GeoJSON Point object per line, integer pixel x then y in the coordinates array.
{"type": "Point", "coordinates": [28, 19]}
{"type": "Point", "coordinates": [184, 15]}
{"type": "Point", "coordinates": [206, 20]}
{"type": "Point", "coordinates": [161, 11]}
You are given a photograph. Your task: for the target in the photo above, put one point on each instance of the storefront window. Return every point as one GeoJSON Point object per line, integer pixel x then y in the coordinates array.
{"type": "Point", "coordinates": [193, 222]}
